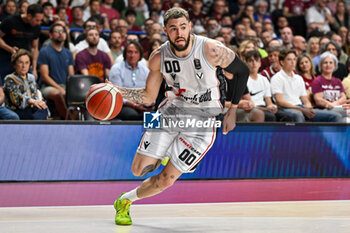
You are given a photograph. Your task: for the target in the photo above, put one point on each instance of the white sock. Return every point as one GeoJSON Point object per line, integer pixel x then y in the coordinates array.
{"type": "Point", "coordinates": [131, 195]}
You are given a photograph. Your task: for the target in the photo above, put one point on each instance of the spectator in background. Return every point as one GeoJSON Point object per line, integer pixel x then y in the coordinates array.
{"type": "Point", "coordinates": [261, 11]}
{"type": "Point", "coordinates": [327, 90]}
{"type": "Point", "coordinates": [61, 14]}
{"type": "Point", "coordinates": [77, 22]}
{"type": "Point", "coordinates": [197, 14]}
{"type": "Point", "coordinates": [55, 64]}
{"type": "Point", "coordinates": [246, 46]}
{"type": "Point", "coordinates": [158, 6]}
{"type": "Point", "coordinates": [130, 17]}
{"type": "Point", "coordinates": [65, 4]}
{"type": "Point", "coordinates": [144, 41]}
{"type": "Point", "coordinates": [289, 91]}
{"type": "Point", "coordinates": [240, 32]}
{"type": "Point", "coordinates": [140, 18]}
{"type": "Point", "coordinates": [342, 32]}
{"type": "Point", "coordinates": [8, 9]}
{"type": "Point", "coordinates": [92, 61]}
{"type": "Point", "coordinates": [212, 27]}
{"type": "Point", "coordinates": [281, 23]}
{"type": "Point", "coordinates": [237, 8]}
{"type": "Point", "coordinates": [323, 40]}
{"type": "Point", "coordinates": [313, 46]}
{"type": "Point", "coordinates": [92, 9]}
{"type": "Point", "coordinates": [340, 71]}
{"type": "Point", "coordinates": [268, 26]}
{"type": "Point", "coordinates": [287, 37]}
{"type": "Point", "coordinates": [306, 69]}
{"type": "Point", "coordinates": [122, 27]}
{"type": "Point", "coordinates": [21, 89]}
{"type": "Point", "coordinates": [106, 8]}
{"type": "Point", "coordinates": [343, 57]}
{"type": "Point", "coordinates": [247, 111]}
{"type": "Point", "coordinates": [22, 7]}
{"type": "Point", "coordinates": [102, 43]}
{"type": "Point", "coordinates": [132, 74]}
{"type": "Point", "coordinates": [299, 44]}
{"type": "Point", "coordinates": [154, 44]}
{"type": "Point", "coordinates": [341, 16]}
{"type": "Point", "coordinates": [218, 9]}
{"type": "Point", "coordinates": [273, 58]}
{"type": "Point", "coordinates": [227, 34]}
{"type": "Point", "coordinates": [319, 15]}
{"type": "Point", "coordinates": [5, 113]}
{"type": "Point", "coordinates": [115, 44]}
{"type": "Point", "coordinates": [260, 90]}
{"type": "Point", "coordinates": [47, 21]}
{"type": "Point", "coordinates": [257, 26]}
{"type": "Point", "coordinates": [266, 37]}
{"type": "Point", "coordinates": [20, 31]}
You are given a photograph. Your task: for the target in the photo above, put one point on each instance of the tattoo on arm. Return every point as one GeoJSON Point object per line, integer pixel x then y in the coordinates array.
{"type": "Point", "coordinates": [136, 95]}
{"type": "Point", "coordinates": [221, 55]}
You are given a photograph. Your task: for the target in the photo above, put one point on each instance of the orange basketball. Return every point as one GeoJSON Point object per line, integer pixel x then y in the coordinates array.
{"type": "Point", "coordinates": [104, 101]}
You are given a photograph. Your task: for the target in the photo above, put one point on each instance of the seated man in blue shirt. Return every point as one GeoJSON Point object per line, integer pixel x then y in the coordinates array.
{"type": "Point", "coordinates": [130, 73]}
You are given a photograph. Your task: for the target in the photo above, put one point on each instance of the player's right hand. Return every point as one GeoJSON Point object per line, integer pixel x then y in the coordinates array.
{"type": "Point", "coordinates": [229, 122]}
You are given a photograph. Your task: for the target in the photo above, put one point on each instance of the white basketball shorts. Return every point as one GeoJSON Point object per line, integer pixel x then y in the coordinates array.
{"type": "Point", "coordinates": [184, 149]}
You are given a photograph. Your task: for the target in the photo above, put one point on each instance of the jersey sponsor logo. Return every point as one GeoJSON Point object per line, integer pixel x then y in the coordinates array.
{"type": "Point", "coordinates": [177, 85]}
{"type": "Point", "coordinates": [197, 64]}
{"type": "Point", "coordinates": [189, 146]}
{"type": "Point", "coordinates": [173, 76]}
{"type": "Point", "coordinates": [199, 75]}
{"type": "Point", "coordinates": [146, 144]}
{"type": "Point", "coordinates": [196, 99]}
{"type": "Point", "coordinates": [151, 120]}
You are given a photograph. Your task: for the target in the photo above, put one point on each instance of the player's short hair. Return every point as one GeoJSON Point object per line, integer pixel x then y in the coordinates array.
{"type": "Point", "coordinates": [138, 47]}
{"type": "Point", "coordinates": [20, 53]}
{"type": "Point", "coordinates": [175, 13]}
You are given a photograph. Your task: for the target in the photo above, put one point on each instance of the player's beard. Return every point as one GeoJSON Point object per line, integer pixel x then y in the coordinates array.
{"type": "Point", "coordinates": [183, 48]}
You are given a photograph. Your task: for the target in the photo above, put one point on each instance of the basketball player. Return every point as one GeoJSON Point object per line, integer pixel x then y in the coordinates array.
{"type": "Point", "coordinates": [188, 64]}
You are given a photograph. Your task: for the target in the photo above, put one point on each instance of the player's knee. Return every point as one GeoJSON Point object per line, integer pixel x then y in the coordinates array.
{"type": "Point", "coordinates": [164, 182]}
{"type": "Point", "coordinates": [136, 170]}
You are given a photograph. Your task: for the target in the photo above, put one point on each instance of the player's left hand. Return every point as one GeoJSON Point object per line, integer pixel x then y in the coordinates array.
{"type": "Point", "coordinates": [229, 122]}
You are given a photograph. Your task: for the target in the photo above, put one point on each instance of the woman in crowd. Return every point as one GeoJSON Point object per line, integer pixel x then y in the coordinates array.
{"type": "Point", "coordinates": [328, 91]}
{"type": "Point", "coordinates": [306, 69]}
{"type": "Point", "coordinates": [22, 94]}
{"type": "Point", "coordinates": [331, 46]}
{"type": "Point", "coordinates": [313, 46]}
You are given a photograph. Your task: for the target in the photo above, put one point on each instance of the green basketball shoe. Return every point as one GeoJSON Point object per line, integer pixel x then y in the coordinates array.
{"type": "Point", "coordinates": [122, 217]}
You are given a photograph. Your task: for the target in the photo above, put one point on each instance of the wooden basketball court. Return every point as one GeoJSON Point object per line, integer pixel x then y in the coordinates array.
{"type": "Point", "coordinates": [250, 217]}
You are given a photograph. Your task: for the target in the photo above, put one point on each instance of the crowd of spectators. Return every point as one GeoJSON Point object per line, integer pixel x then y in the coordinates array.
{"type": "Point", "coordinates": [297, 51]}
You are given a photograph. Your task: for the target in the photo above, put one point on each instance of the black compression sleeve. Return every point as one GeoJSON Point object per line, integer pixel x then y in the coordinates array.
{"type": "Point", "coordinates": [241, 73]}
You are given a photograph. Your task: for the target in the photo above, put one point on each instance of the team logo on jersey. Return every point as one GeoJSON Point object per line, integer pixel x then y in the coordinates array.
{"type": "Point", "coordinates": [199, 75]}
{"type": "Point", "coordinates": [197, 64]}
{"type": "Point", "coordinates": [173, 76]}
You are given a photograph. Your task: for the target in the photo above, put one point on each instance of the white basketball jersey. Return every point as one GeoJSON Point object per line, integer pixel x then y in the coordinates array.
{"type": "Point", "coordinates": [192, 80]}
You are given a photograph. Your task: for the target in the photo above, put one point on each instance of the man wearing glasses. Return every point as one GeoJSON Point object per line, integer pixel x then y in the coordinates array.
{"type": "Point", "coordinates": [132, 74]}
{"type": "Point", "coordinates": [55, 65]}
